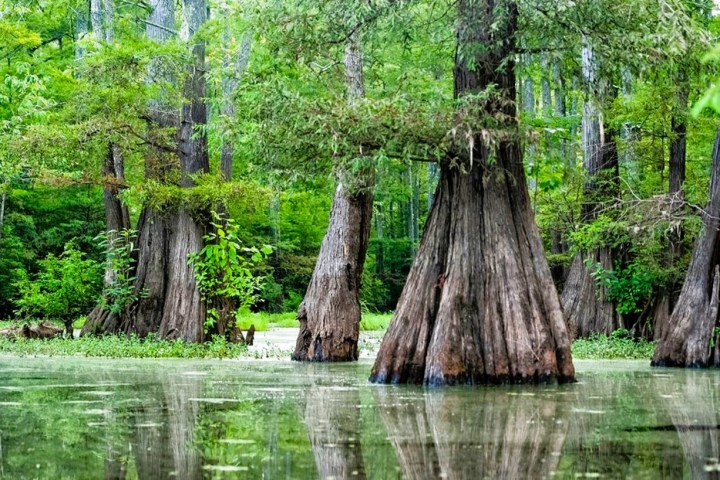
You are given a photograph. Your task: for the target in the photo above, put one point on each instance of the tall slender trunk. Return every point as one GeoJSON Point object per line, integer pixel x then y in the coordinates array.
{"type": "Point", "coordinates": [329, 314]}
{"type": "Point", "coordinates": [229, 89]}
{"type": "Point", "coordinates": [412, 211]}
{"type": "Point", "coordinates": [628, 159]}
{"type": "Point", "coordinates": [479, 304]}
{"type": "Point", "coordinates": [692, 336]}
{"type": "Point", "coordinates": [431, 184]}
{"type": "Point", "coordinates": [81, 29]}
{"type": "Point", "coordinates": [380, 251]}
{"type": "Point", "coordinates": [566, 150]}
{"type": "Point", "coordinates": [528, 108]}
{"type": "Point", "coordinates": [117, 218]}
{"type": "Point", "coordinates": [3, 199]}
{"type": "Point", "coordinates": [584, 300]}
{"type": "Point", "coordinates": [666, 299]}
{"type": "Point", "coordinates": [546, 91]}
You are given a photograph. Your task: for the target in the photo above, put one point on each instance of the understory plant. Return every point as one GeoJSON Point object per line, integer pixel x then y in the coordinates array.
{"type": "Point", "coordinates": [119, 291]}
{"type": "Point", "coordinates": [66, 287]}
{"type": "Point", "coordinates": [224, 271]}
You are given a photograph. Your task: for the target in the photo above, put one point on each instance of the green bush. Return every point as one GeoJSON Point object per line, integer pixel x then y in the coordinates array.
{"type": "Point", "coordinates": [224, 274]}
{"type": "Point", "coordinates": [66, 287]}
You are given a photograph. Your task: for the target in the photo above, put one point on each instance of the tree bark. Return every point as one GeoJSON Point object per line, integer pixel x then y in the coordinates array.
{"type": "Point", "coordinates": [380, 251]}
{"type": "Point", "coordinates": [117, 219]}
{"type": "Point", "coordinates": [329, 314]}
{"type": "Point", "coordinates": [101, 19]}
{"type": "Point", "coordinates": [693, 327]}
{"type": "Point", "coordinates": [584, 301]}
{"type": "Point", "coordinates": [117, 216]}
{"type": "Point", "coordinates": [678, 123]}
{"type": "Point", "coordinates": [3, 199]}
{"type": "Point", "coordinates": [546, 90]}
{"type": "Point", "coordinates": [479, 304]}
{"type": "Point", "coordinates": [145, 315]}
{"type": "Point", "coordinates": [229, 89]}
{"type": "Point", "coordinates": [184, 311]}
{"type": "Point", "coordinates": [81, 29]}
{"type": "Point", "coordinates": [169, 301]}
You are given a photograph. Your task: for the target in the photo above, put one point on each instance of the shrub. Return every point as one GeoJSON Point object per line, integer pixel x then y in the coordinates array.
{"type": "Point", "coordinates": [66, 287]}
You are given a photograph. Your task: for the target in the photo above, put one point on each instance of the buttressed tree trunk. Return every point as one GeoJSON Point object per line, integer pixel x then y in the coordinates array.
{"type": "Point", "coordinates": [152, 241]}
{"type": "Point", "coordinates": [692, 338]}
{"type": "Point", "coordinates": [479, 304]}
{"type": "Point", "coordinates": [184, 312]}
{"type": "Point", "coordinates": [169, 300]}
{"type": "Point", "coordinates": [329, 314]}
{"type": "Point", "coordinates": [584, 302]}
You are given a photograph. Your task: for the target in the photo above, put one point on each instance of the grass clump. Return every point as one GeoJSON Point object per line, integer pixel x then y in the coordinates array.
{"type": "Point", "coordinates": [123, 346]}
{"type": "Point", "coordinates": [375, 321]}
{"type": "Point", "coordinates": [619, 345]}
{"type": "Point", "coordinates": [264, 320]}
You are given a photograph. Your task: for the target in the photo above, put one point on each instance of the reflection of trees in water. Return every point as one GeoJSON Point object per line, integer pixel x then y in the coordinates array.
{"type": "Point", "coordinates": [116, 450]}
{"type": "Point", "coordinates": [693, 404]}
{"type": "Point", "coordinates": [606, 436]}
{"type": "Point", "coordinates": [475, 433]}
{"type": "Point", "coordinates": [163, 436]}
{"type": "Point", "coordinates": [332, 418]}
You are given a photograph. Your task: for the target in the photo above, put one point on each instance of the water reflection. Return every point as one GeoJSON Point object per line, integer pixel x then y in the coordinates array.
{"type": "Point", "coordinates": [191, 420]}
{"type": "Point", "coordinates": [163, 429]}
{"type": "Point", "coordinates": [693, 404]}
{"type": "Point", "coordinates": [332, 418]}
{"type": "Point", "coordinates": [507, 434]}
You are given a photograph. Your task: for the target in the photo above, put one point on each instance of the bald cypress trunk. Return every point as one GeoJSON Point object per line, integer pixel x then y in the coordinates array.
{"type": "Point", "coordinates": [584, 301]}
{"type": "Point", "coordinates": [479, 304]}
{"type": "Point", "coordinates": [184, 311]}
{"type": "Point", "coordinates": [145, 314]}
{"type": "Point", "coordinates": [692, 338]}
{"type": "Point", "coordinates": [329, 314]}
{"type": "Point", "coordinates": [229, 89]}
{"type": "Point", "coordinates": [3, 199]}
{"type": "Point", "coordinates": [668, 296]}
{"type": "Point", "coordinates": [117, 216]}
{"type": "Point", "coordinates": [169, 300]}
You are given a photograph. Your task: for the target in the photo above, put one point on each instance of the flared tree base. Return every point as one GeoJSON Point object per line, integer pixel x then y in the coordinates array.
{"type": "Point", "coordinates": [479, 305]}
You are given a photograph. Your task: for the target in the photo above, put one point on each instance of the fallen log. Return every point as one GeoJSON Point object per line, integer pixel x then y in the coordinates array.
{"type": "Point", "coordinates": [41, 331]}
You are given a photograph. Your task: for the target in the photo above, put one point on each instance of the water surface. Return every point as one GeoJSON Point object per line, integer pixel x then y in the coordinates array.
{"type": "Point", "coordinates": [90, 418]}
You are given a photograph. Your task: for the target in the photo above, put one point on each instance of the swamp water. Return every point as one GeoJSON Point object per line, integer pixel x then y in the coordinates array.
{"type": "Point", "coordinates": [89, 418]}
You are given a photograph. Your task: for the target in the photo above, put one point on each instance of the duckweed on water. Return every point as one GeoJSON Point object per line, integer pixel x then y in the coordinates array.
{"type": "Point", "coordinates": [123, 346]}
